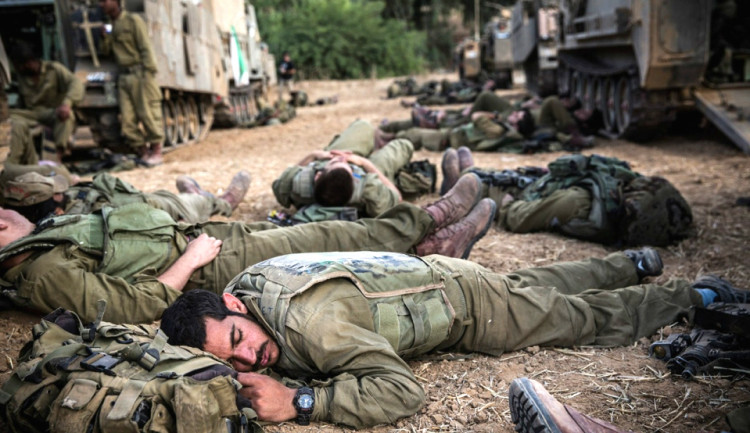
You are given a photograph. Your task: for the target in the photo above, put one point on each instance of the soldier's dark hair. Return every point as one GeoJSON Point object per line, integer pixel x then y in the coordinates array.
{"type": "Point", "coordinates": [184, 321]}
{"type": "Point", "coordinates": [334, 187]}
{"type": "Point", "coordinates": [21, 52]}
{"type": "Point", "coordinates": [38, 211]}
{"type": "Point", "coordinates": [526, 125]}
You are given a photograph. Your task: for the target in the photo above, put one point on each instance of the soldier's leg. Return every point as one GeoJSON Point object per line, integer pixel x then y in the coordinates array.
{"type": "Point", "coordinates": [489, 101]}
{"type": "Point", "coordinates": [62, 131]}
{"type": "Point", "coordinates": [126, 86]}
{"type": "Point", "coordinates": [359, 137]}
{"type": "Point", "coordinates": [22, 149]}
{"type": "Point", "coordinates": [396, 230]}
{"type": "Point", "coordinates": [190, 208]}
{"type": "Point", "coordinates": [392, 157]}
{"type": "Point", "coordinates": [553, 114]}
{"type": "Point", "coordinates": [431, 139]}
{"type": "Point", "coordinates": [546, 213]}
{"type": "Point", "coordinates": [148, 108]}
{"type": "Point", "coordinates": [506, 317]}
{"type": "Point", "coordinates": [394, 126]}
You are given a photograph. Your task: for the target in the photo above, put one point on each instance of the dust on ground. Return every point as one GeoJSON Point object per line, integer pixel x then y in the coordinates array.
{"type": "Point", "coordinates": [469, 392]}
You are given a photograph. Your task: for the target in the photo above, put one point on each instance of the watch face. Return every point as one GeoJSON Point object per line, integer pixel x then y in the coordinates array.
{"type": "Point", "coordinates": [305, 401]}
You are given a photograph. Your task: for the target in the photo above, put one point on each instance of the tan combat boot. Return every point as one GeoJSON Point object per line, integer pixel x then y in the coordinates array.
{"type": "Point", "coordinates": [451, 171]}
{"type": "Point", "coordinates": [534, 410]}
{"type": "Point", "coordinates": [457, 202]}
{"type": "Point", "coordinates": [188, 185]}
{"type": "Point", "coordinates": [457, 239]}
{"type": "Point", "coordinates": [154, 156]}
{"type": "Point", "coordinates": [465, 159]}
{"type": "Point", "coordinates": [237, 189]}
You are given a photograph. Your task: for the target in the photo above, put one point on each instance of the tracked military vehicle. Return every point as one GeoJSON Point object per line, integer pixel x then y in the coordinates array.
{"type": "Point", "coordinates": [490, 56]}
{"type": "Point", "coordinates": [639, 62]}
{"type": "Point", "coordinates": [208, 56]}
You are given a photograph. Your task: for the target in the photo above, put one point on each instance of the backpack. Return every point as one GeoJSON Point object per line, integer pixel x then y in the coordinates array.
{"type": "Point", "coordinates": [655, 213]}
{"type": "Point", "coordinates": [118, 378]}
{"type": "Point", "coordinates": [604, 177]}
{"type": "Point", "coordinates": [417, 178]}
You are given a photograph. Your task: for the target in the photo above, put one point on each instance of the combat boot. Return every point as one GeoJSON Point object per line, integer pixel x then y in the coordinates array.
{"type": "Point", "coordinates": [154, 156]}
{"type": "Point", "coordinates": [237, 189]}
{"type": "Point", "coordinates": [534, 410]}
{"type": "Point", "coordinates": [724, 290]}
{"type": "Point", "coordinates": [451, 171]}
{"type": "Point", "coordinates": [465, 159]}
{"type": "Point", "coordinates": [457, 202]}
{"type": "Point", "coordinates": [647, 262]}
{"type": "Point", "coordinates": [188, 185]}
{"type": "Point", "coordinates": [457, 239]}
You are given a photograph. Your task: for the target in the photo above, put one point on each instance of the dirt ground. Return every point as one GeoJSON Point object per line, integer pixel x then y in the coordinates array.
{"type": "Point", "coordinates": [469, 393]}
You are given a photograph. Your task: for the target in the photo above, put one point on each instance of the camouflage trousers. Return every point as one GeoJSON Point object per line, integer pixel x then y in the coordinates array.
{"type": "Point", "coordinates": [140, 101]}
{"type": "Point", "coordinates": [546, 213]}
{"type": "Point", "coordinates": [589, 302]}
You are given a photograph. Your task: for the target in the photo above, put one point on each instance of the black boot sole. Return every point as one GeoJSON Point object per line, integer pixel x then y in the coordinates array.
{"type": "Point", "coordinates": [527, 411]}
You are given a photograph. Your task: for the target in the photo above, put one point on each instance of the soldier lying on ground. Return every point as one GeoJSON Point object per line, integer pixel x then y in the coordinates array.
{"type": "Point", "coordinates": [35, 196]}
{"type": "Point", "coordinates": [495, 124]}
{"type": "Point", "coordinates": [350, 171]}
{"type": "Point", "coordinates": [345, 323]}
{"type": "Point", "coordinates": [139, 260]}
{"type": "Point", "coordinates": [48, 92]}
{"type": "Point", "coordinates": [595, 198]}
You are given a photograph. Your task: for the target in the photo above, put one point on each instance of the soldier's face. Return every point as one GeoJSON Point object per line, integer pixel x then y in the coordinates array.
{"type": "Point", "coordinates": [109, 7]}
{"type": "Point", "coordinates": [515, 117]}
{"type": "Point", "coordinates": [338, 161]}
{"type": "Point", "coordinates": [241, 342]}
{"type": "Point", "coordinates": [30, 68]}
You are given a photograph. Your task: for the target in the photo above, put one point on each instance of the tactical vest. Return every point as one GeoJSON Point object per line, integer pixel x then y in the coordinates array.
{"type": "Point", "coordinates": [603, 177]}
{"type": "Point", "coordinates": [303, 185]}
{"type": "Point", "coordinates": [104, 190]}
{"type": "Point", "coordinates": [128, 239]}
{"type": "Point", "coordinates": [406, 295]}
{"type": "Point", "coordinates": [118, 378]}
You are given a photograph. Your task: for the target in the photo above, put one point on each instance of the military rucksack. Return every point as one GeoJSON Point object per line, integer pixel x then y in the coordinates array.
{"type": "Point", "coordinates": [119, 378]}
{"type": "Point", "coordinates": [417, 178]}
{"type": "Point", "coordinates": [655, 213]}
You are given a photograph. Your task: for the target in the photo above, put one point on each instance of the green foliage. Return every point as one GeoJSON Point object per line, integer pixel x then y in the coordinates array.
{"type": "Point", "coordinates": [340, 39]}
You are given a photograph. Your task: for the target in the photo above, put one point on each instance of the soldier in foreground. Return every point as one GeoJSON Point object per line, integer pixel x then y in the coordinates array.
{"type": "Point", "coordinates": [139, 259]}
{"type": "Point", "coordinates": [139, 95]}
{"type": "Point", "coordinates": [345, 322]}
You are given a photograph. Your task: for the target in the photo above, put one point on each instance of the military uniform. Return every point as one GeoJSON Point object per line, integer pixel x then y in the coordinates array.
{"type": "Point", "coordinates": [372, 197]}
{"type": "Point", "coordinates": [346, 322]}
{"type": "Point", "coordinates": [139, 95]}
{"type": "Point", "coordinates": [55, 86]}
{"type": "Point", "coordinates": [71, 266]}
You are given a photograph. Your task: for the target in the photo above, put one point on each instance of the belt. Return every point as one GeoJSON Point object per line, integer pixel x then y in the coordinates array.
{"type": "Point", "coordinates": [125, 70]}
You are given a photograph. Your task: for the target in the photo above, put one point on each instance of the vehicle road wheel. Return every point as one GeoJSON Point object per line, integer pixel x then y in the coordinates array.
{"type": "Point", "coordinates": [193, 122]}
{"type": "Point", "coordinates": [169, 114]}
{"type": "Point", "coordinates": [181, 121]}
{"type": "Point", "coordinates": [623, 105]}
{"type": "Point", "coordinates": [608, 105]}
{"type": "Point", "coordinates": [206, 111]}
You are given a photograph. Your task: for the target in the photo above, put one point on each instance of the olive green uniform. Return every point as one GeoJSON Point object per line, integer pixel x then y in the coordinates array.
{"type": "Point", "coordinates": [545, 214]}
{"type": "Point", "coordinates": [139, 95]}
{"type": "Point", "coordinates": [63, 272]}
{"type": "Point", "coordinates": [345, 322]}
{"type": "Point", "coordinates": [55, 86]}
{"type": "Point", "coordinates": [371, 196]}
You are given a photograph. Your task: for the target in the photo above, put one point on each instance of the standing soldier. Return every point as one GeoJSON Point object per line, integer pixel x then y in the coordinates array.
{"type": "Point", "coordinates": [140, 97]}
{"type": "Point", "coordinates": [286, 74]}
{"type": "Point", "coordinates": [48, 91]}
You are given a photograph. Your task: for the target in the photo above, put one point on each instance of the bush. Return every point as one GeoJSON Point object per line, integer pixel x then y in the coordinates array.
{"type": "Point", "coordinates": [339, 39]}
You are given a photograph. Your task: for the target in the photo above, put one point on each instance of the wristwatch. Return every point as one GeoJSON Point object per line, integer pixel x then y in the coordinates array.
{"type": "Point", "coordinates": [304, 401]}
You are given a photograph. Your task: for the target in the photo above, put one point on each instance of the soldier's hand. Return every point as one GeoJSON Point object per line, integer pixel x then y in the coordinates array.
{"type": "Point", "coordinates": [201, 250]}
{"type": "Point", "coordinates": [322, 154]}
{"type": "Point", "coordinates": [272, 400]}
{"type": "Point", "coordinates": [63, 112]}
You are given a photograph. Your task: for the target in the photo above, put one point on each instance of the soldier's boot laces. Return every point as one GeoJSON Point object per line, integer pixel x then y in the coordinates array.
{"type": "Point", "coordinates": [726, 292]}
{"type": "Point", "coordinates": [465, 159]}
{"type": "Point", "coordinates": [647, 262]}
{"type": "Point", "coordinates": [534, 410]}
{"type": "Point", "coordinates": [188, 185]}
{"type": "Point", "coordinates": [451, 170]}
{"type": "Point", "coordinates": [457, 239]}
{"type": "Point", "coordinates": [237, 189]}
{"type": "Point", "coordinates": [457, 202]}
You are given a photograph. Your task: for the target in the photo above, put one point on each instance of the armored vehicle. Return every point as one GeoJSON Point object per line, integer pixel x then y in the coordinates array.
{"type": "Point", "coordinates": [639, 62]}
{"type": "Point", "coordinates": [533, 38]}
{"type": "Point", "coordinates": [204, 63]}
{"type": "Point", "coordinates": [489, 57]}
